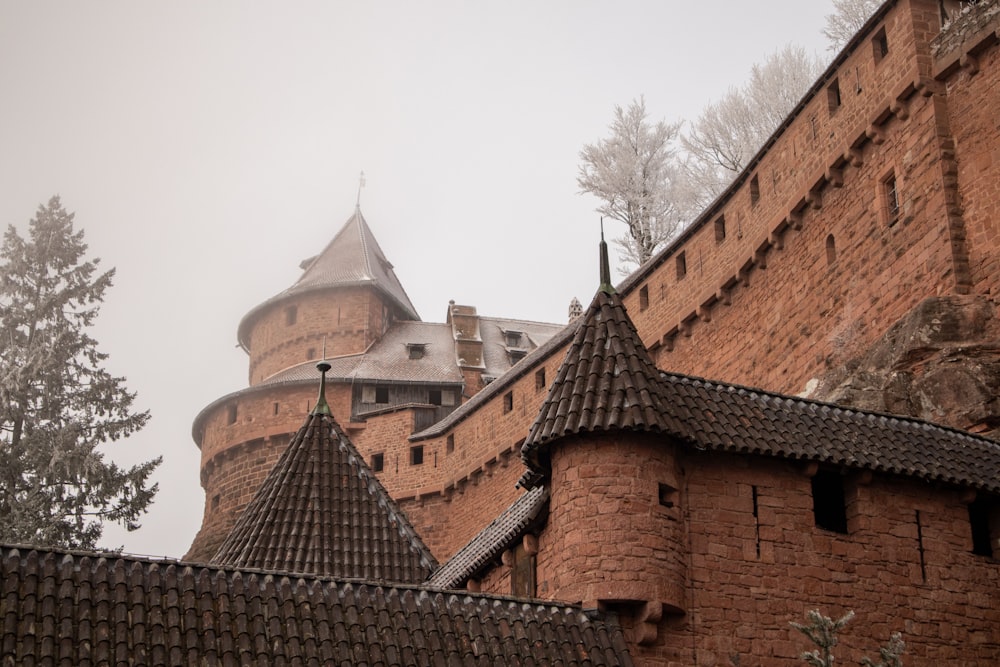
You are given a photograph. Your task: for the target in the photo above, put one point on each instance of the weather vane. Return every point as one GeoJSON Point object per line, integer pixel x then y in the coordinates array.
{"type": "Point", "coordinates": [361, 184]}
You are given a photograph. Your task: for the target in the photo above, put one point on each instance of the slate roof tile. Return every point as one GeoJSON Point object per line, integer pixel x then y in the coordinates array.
{"type": "Point", "coordinates": [492, 540]}
{"type": "Point", "coordinates": [322, 511]}
{"type": "Point", "coordinates": [91, 608]}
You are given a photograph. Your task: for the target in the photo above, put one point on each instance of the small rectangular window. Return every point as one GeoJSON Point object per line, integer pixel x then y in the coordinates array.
{"type": "Point", "coordinates": [378, 462]}
{"type": "Point", "coordinates": [448, 397]}
{"type": "Point", "coordinates": [416, 350]}
{"type": "Point", "coordinates": [720, 229]}
{"type": "Point", "coordinates": [880, 45]}
{"type": "Point", "coordinates": [682, 268]}
{"type": "Point", "coordinates": [416, 455]}
{"type": "Point", "coordinates": [540, 379]}
{"type": "Point", "coordinates": [231, 415]}
{"type": "Point", "coordinates": [508, 402]}
{"type": "Point", "coordinates": [450, 446]}
{"type": "Point", "coordinates": [833, 96]}
{"type": "Point", "coordinates": [381, 394]}
{"type": "Point", "coordinates": [668, 495]}
{"type": "Point", "coordinates": [829, 501]}
{"type": "Point", "coordinates": [291, 315]}
{"type": "Point", "coordinates": [643, 297]}
{"type": "Point", "coordinates": [891, 194]}
{"type": "Point", "coordinates": [434, 397]}
{"type": "Point", "coordinates": [276, 406]}
{"type": "Point", "coordinates": [367, 394]}
{"type": "Point", "coordinates": [754, 190]}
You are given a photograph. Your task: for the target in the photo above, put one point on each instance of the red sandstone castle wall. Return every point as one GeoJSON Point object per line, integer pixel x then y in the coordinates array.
{"type": "Point", "coordinates": [754, 560]}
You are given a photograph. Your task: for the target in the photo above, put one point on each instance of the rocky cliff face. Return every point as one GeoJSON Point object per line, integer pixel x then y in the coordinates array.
{"type": "Point", "coordinates": [940, 363]}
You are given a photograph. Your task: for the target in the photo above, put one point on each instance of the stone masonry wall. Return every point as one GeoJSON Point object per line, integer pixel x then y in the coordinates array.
{"type": "Point", "coordinates": [755, 560]}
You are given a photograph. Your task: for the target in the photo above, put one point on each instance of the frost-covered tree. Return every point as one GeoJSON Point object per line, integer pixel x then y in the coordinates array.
{"type": "Point", "coordinates": [634, 173]}
{"type": "Point", "coordinates": [846, 20]}
{"type": "Point", "coordinates": [729, 132]}
{"type": "Point", "coordinates": [57, 404]}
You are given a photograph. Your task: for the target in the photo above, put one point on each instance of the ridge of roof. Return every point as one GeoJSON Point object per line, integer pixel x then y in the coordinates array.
{"type": "Point", "coordinates": [352, 258]}
{"type": "Point", "coordinates": [607, 381]}
{"type": "Point", "coordinates": [321, 510]}
{"type": "Point", "coordinates": [491, 540]}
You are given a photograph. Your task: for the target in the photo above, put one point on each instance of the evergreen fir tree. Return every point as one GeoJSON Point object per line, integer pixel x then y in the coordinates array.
{"type": "Point", "coordinates": [57, 404]}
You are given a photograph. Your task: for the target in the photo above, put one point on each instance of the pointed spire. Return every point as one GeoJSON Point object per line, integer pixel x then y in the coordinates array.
{"type": "Point", "coordinates": [606, 285]}
{"type": "Point", "coordinates": [361, 184]}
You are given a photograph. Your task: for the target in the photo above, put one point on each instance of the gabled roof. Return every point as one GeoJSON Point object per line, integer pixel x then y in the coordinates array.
{"type": "Point", "coordinates": [88, 608]}
{"type": "Point", "coordinates": [322, 511]}
{"type": "Point", "coordinates": [492, 540]}
{"type": "Point", "coordinates": [352, 258]}
{"type": "Point", "coordinates": [607, 381]}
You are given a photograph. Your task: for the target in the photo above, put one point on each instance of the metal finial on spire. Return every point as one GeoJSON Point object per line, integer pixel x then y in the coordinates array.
{"type": "Point", "coordinates": [322, 407]}
{"type": "Point", "coordinates": [361, 184]}
{"type": "Point", "coordinates": [606, 285]}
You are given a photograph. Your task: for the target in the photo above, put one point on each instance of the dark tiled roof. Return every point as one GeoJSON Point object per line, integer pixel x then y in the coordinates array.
{"type": "Point", "coordinates": [719, 416]}
{"type": "Point", "coordinates": [322, 511]}
{"type": "Point", "coordinates": [79, 609]}
{"type": "Point", "coordinates": [353, 257]}
{"type": "Point", "coordinates": [492, 540]}
{"type": "Point", "coordinates": [607, 381]}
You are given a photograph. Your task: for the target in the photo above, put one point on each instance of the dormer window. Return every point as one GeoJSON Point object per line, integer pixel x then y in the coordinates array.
{"type": "Point", "coordinates": [516, 355]}
{"type": "Point", "coordinates": [512, 338]}
{"type": "Point", "coordinates": [416, 350]}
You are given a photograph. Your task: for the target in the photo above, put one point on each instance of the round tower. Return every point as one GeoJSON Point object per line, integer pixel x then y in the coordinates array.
{"type": "Point", "coordinates": [345, 300]}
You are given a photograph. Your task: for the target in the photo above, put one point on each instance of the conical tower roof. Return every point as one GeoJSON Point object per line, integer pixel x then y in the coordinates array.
{"type": "Point", "coordinates": [607, 380]}
{"type": "Point", "coordinates": [352, 258]}
{"type": "Point", "coordinates": [322, 511]}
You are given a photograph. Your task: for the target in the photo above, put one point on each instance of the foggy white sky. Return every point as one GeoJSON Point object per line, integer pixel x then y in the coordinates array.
{"type": "Point", "coordinates": [206, 148]}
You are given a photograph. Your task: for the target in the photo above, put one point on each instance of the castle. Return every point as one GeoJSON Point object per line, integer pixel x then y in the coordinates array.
{"type": "Point", "coordinates": [839, 298]}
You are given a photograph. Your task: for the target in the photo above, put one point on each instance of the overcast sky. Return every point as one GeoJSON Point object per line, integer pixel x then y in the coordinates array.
{"type": "Point", "coordinates": [207, 147]}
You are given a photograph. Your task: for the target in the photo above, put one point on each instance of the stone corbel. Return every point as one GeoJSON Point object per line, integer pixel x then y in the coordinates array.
{"type": "Point", "coordinates": [647, 620]}
{"type": "Point", "coordinates": [854, 157]}
{"type": "Point", "coordinates": [900, 109]}
{"type": "Point", "coordinates": [875, 135]}
{"type": "Point", "coordinates": [969, 63]}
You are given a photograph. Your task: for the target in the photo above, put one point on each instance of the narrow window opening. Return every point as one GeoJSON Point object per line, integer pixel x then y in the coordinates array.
{"type": "Point", "coordinates": [215, 501]}
{"type": "Point", "coordinates": [378, 462]}
{"type": "Point", "coordinates": [984, 520]}
{"type": "Point", "coordinates": [681, 266]}
{"type": "Point", "coordinates": [720, 229]}
{"type": "Point", "coordinates": [829, 503]}
{"type": "Point", "coordinates": [667, 495]}
{"type": "Point", "coordinates": [831, 249]}
{"type": "Point", "coordinates": [450, 446]}
{"type": "Point", "coordinates": [754, 190]}
{"type": "Point", "coordinates": [540, 379]}
{"type": "Point", "coordinates": [756, 517]}
{"type": "Point", "coordinates": [291, 315]}
{"type": "Point", "coordinates": [276, 406]}
{"type": "Point", "coordinates": [381, 394]}
{"type": "Point", "coordinates": [833, 96]}
{"type": "Point", "coordinates": [416, 455]}
{"type": "Point", "coordinates": [508, 402]}
{"type": "Point", "coordinates": [643, 297]}
{"type": "Point", "coordinates": [891, 198]}
{"type": "Point", "coordinates": [434, 397]}
{"type": "Point", "coordinates": [231, 415]}
{"type": "Point", "coordinates": [920, 549]}
{"type": "Point", "coordinates": [311, 353]}
{"type": "Point", "coordinates": [880, 45]}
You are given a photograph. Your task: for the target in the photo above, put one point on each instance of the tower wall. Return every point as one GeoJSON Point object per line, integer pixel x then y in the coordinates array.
{"type": "Point", "coordinates": [615, 530]}
{"type": "Point", "coordinates": [294, 329]}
